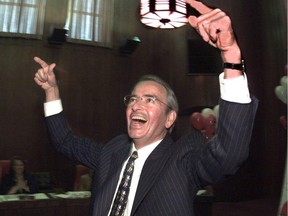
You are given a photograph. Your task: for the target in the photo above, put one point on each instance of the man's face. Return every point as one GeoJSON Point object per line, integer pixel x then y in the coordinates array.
{"type": "Point", "coordinates": [147, 123]}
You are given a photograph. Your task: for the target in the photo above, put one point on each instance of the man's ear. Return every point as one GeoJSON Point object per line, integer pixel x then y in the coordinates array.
{"type": "Point", "coordinates": [171, 117]}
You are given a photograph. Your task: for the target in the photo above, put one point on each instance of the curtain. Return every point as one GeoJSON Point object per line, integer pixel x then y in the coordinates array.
{"type": "Point", "coordinates": [22, 17]}
{"type": "Point", "coordinates": [90, 20]}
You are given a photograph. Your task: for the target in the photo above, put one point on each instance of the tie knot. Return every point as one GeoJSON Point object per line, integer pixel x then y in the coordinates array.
{"type": "Point", "coordinates": [134, 155]}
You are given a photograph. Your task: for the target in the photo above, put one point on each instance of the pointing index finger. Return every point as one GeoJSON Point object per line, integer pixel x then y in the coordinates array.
{"type": "Point", "coordinates": [199, 6]}
{"type": "Point", "coordinates": [41, 62]}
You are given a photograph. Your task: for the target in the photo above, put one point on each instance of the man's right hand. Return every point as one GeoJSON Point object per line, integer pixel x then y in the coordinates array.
{"type": "Point", "coordinates": [46, 79]}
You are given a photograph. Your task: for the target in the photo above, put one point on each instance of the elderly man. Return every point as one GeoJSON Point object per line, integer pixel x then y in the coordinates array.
{"type": "Point", "coordinates": [163, 175]}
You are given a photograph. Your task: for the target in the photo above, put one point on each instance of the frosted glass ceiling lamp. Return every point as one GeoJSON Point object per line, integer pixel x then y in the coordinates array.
{"type": "Point", "coordinates": [164, 14]}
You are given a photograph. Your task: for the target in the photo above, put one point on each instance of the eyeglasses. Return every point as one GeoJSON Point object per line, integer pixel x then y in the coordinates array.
{"type": "Point", "coordinates": [147, 100]}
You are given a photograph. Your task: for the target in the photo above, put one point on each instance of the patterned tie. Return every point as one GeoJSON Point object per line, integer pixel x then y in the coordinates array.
{"type": "Point", "coordinates": [121, 198]}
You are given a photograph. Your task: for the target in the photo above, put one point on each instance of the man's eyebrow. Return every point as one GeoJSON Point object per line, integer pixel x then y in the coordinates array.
{"type": "Point", "coordinates": [150, 95]}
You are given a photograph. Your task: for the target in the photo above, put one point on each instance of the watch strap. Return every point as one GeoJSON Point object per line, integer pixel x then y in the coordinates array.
{"type": "Point", "coordinates": [233, 66]}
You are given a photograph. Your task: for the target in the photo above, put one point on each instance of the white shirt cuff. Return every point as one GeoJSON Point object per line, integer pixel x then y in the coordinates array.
{"type": "Point", "coordinates": [234, 89]}
{"type": "Point", "coordinates": [52, 108]}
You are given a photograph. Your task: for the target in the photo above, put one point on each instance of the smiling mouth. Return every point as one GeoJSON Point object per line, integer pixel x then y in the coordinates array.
{"type": "Point", "coordinates": [139, 119]}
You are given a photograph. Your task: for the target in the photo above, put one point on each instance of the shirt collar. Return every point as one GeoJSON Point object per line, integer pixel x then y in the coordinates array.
{"type": "Point", "coordinates": [146, 150]}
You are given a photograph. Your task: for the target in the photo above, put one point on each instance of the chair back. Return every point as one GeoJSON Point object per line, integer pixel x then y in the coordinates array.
{"type": "Point", "coordinates": [79, 171]}
{"type": "Point", "coordinates": [4, 168]}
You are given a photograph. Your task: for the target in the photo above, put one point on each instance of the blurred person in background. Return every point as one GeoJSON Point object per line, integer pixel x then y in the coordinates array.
{"type": "Point", "coordinates": [18, 180]}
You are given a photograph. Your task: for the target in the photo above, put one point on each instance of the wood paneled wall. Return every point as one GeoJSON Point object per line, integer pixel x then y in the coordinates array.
{"type": "Point", "coordinates": [93, 81]}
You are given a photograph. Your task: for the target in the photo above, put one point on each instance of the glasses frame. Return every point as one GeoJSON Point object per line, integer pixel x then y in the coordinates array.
{"type": "Point", "coordinates": [139, 98]}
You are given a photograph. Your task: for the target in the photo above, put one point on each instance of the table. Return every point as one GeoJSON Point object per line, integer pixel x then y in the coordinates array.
{"type": "Point", "coordinates": [47, 205]}
{"type": "Point", "coordinates": [203, 202]}
{"type": "Point", "coordinates": [72, 204]}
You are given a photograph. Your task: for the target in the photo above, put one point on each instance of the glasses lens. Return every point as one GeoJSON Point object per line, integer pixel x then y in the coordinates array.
{"type": "Point", "coordinates": [147, 100]}
{"type": "Point", "coordinates": [128, 100]}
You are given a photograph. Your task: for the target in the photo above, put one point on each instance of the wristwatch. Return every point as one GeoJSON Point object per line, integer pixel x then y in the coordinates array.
{"type": "Point", "coordinates": [233, 66]}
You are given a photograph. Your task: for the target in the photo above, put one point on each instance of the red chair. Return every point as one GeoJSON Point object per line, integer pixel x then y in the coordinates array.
{"type": "Point", "coordinates": [79, 171]}
{"type": "Point", "coordinates": [4, 168]}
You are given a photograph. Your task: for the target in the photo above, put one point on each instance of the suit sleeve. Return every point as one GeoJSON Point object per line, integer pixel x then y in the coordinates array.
{"type": "Point", "coordinates": [229, 148]}
{"type": "Point", "coordinates": [76, 148]}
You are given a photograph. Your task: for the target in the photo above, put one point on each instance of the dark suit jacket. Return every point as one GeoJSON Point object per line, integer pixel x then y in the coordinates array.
{"type": "Point", "coordinates": [174, 171]}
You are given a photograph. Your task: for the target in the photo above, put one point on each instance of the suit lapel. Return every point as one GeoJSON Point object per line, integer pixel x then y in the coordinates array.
{"type": "Point", "coordinates": [105, 195]}
{"type": "Point", "coordinates": [151, 170]}
{"type": "Point", "coordinates": [118, 159]}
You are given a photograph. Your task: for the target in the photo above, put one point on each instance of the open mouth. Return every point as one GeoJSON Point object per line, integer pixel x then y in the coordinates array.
{"type": "Point", "coordinates": [139, 119]}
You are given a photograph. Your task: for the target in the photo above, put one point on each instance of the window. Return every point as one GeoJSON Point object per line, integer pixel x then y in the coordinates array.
{"type": "Point", "coordinates": [22, 17]}
{"type": "Point", "coordinates": [90, 21]}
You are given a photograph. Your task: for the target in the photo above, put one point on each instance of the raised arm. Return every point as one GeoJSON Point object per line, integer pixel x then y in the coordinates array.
{"type": "Point", "coordinates": [46, 79]}
{"type": "Point", "coordinates": [215, 27]}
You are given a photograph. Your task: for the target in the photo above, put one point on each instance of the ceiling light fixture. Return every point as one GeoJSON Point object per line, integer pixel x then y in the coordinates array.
{"type": "Point", "coordinates": [164, 14]}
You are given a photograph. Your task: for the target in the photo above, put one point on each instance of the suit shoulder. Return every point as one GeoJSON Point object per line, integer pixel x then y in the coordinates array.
{"type": "Point", "coordinates": [118, 141]}
{"type": "Point", "coordinates": [120, 138]}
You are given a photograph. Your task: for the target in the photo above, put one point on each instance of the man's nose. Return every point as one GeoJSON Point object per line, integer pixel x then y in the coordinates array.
{"type": "Point", "coordinates": [138, 105]}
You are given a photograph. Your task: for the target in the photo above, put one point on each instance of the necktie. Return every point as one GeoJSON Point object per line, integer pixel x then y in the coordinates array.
{"type": "Point", "coordinates": [121, 198]}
